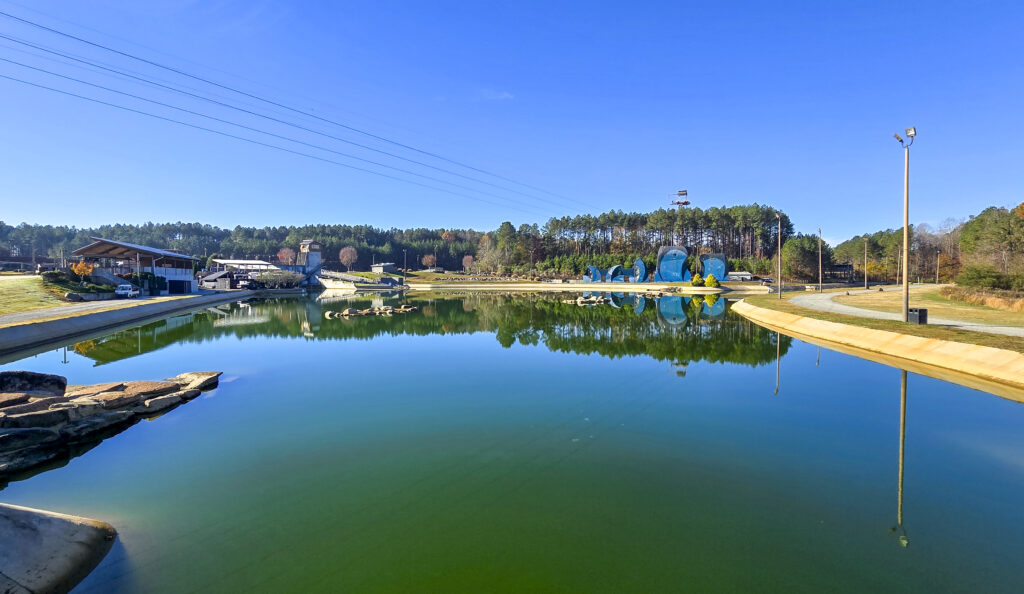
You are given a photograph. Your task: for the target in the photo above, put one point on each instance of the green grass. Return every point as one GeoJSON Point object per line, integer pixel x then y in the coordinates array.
{"type": "Point", "coordinates": [938, 306]}
{"type": "Point", "coordinates": [998, 341]}
{"type": "Point", "coordinates": [26, 294]}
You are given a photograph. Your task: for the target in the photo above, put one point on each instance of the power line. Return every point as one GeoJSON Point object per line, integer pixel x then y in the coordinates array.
{"type": "Point", "coordinates": [251, 129]}
{"type": "Point", "coordinates": [273, 119]}
{"type": "Point", "coordinates": [271, 102]}
{"type": "Point", "coordinates": [257, 142]}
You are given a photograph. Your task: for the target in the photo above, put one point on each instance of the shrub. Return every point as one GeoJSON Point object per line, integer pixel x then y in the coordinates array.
{"type": "Point", "coordinates": [697, 281]}
{"type": "Point", "coordinates": [54, 276]}
{"type": "Point", "coordinates": [278, 279]}
{"type": "Point", "coordinates": [983, 276]}
{"type": "Point", "coordinates": [711, 281]}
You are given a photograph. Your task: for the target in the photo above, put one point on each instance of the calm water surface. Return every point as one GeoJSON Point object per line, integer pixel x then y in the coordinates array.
{"type": "Point", "coordinates": [500, 444]}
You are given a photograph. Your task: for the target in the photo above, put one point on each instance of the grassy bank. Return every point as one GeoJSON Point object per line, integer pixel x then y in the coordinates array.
{"type": "Point", "coordinates": [998, 341]}
{"type": "Point", "coordinates": [938, 306]}
{"type": "Point", "coordinates": [26, 293]}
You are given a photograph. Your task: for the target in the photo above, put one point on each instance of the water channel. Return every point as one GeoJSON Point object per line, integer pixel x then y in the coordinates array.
{"type": "Point", "coordinates": [500, 443]}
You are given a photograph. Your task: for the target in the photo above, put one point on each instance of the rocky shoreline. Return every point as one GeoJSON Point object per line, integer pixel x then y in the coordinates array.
{"type": "Point", "coordinates": [43, 419]}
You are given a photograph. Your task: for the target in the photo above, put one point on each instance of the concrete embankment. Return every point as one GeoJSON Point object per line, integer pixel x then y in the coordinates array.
{"type": "Point", "coordinates": [42, 551]}
{"type": "Point", "coordinates": [55, 332]}
{"type": "Point", "coordinates": [567, 287]}
{"type": "Point", "coordinates": [998, 371]}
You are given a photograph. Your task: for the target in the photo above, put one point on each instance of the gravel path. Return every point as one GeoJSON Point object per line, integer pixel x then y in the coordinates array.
{"type": "Point", "coordinates": [824, 302]}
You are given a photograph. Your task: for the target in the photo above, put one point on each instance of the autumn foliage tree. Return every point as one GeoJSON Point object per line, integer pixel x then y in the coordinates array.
{"type": "Point", "coordinates": [448, 236]}
{"type": "Point", "coordinates": [429, 260]}
{"type": "Point", "coordinates": [286, 255]}
{"type": "Point", "coordinates": [348, 256]}
{"type": "Point", "coordinates": [467, 262]}
{"type": "Point", "coordinates": [82, 268]}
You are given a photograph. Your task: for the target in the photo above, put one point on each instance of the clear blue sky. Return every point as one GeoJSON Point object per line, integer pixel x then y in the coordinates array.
{"type": "Point", "coordinates": [611, 105]}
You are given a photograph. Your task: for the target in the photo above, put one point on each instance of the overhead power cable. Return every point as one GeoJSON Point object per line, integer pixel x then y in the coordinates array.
{"type": "Point", "coordinates": [252, 129]}
{"type": "Point", "coordinates": [273, 119]}
{"type": "Point", "coordinates": [256, 142]}
{"type": "Point", "coordinates": [275, 103]}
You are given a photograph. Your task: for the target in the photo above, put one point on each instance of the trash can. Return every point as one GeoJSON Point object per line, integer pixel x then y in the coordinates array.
{"type": "Point", "coordinates": [917, 315]}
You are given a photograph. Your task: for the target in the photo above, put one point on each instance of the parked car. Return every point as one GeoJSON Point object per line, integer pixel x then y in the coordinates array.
{"type": "Point", "coordinates": [767, 281]}
{"type": "Point", "coordinates": [126, 291]}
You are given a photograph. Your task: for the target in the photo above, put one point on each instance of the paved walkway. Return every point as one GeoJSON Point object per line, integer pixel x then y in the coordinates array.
{"type": "Point", "coordinates": [824, 302]}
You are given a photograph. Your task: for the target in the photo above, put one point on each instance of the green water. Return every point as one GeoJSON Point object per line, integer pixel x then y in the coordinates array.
{"type": "Point", "coordinates": [501, 444]}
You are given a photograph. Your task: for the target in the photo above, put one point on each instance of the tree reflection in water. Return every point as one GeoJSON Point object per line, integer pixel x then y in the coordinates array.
{"type": "Point", "coordinates": [677, 329]}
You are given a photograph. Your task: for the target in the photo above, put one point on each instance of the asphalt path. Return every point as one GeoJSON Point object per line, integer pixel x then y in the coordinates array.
{"type": "Point", "coordinates": [824, 302]}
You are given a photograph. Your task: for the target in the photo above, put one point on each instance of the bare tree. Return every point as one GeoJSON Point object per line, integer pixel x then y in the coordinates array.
{"type": "Point", "coordinates": [467, 262]}
{"type": "Point", "coordinates": [286, 255]}
{"type": "Point", "coordinates": [429, 260]}
{"type": "Point", "coordinates": [348, 256]}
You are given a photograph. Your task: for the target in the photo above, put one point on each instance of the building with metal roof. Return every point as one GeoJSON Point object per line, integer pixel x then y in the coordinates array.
{"type": "Point", "coordinates": [114, 258]}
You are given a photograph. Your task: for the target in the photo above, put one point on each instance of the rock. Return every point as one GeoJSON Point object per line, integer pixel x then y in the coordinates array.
{"type": "Point", "coordinates": [42, 418]}
{"type": "Point", "coordinates": [197, 380]}
{"type": "Point", "coordinates": [91, 390]}
{"type": "Point", "coordinates": [47, 552]}
{"type": "Point", "coordinates": [15, 439]}
{"type": "Point", "coordinates": [12, 398]}
{"type": "Point", "coordinates": [29, 381]}
{"type": "Point", "coordinates": [79, 408]}
{"type": "Point", "coordinates": [32, 405]}
{"type": "Point", "coordinates": [188, 394]}
{"type": "Point", "coordinates": [155, 405]}
{"type": "Point", "coordinates": [111, 400]}
{"type": "Point", "coordinates": [146, 388]}
{"type": "Point", "coordinates": [80, 428]}
{"type": "Point", "coordinates": [73, 297]}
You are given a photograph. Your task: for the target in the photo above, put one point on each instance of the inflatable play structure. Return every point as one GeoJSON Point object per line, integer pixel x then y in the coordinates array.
{"type": "Point", "coordinates": [617, 274]}
{"type": "Point", "coordinates": [671, 268]}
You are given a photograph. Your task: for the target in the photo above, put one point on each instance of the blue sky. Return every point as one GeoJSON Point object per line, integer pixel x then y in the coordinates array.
{"type": "Point", "coordinates": [604, 105]}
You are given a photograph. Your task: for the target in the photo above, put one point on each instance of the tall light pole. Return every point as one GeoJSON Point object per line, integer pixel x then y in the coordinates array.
{"type": "Point", "coordinates": [911, 133]}
{"type": "Point", "coordinates": [779, 217]}
{"type": "Point", "coordinates": [938, 259]}
{"type": "Point", "coordinates": [865, 263]}
{"type": "Point", "coordinates": [405, 267]}
{"type": "Point", "coordinates": [819, 260]}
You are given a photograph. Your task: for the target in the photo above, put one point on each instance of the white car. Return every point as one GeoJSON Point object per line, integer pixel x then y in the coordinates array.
{"type": "Point", "coordinates": [126, 291]}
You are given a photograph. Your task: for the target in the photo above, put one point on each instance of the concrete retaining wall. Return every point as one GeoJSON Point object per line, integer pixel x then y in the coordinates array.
{"type": "Point", "coordinates": [998, 371]}
{"type": "Point", "coordinates": [28, 336]}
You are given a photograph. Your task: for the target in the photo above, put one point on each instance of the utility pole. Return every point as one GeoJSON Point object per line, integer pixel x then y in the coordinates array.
{"type": "Point", "coordinates": [911, 133]}
{"type": "Point", "coordinates": [779, 217]}
{"type": "Point", "coordinates": [820, 273]}
{"type": "Point", "coordinates": [865, 263]}
{"type": "Point", "coordinates": [938, 259]}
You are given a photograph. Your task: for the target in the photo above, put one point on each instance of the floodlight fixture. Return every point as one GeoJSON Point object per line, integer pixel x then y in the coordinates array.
{"type": "Point", "coordinates": [911, 132]}
{"type": "Point", "coordinates": [681, 193]}
{"type": "Point", "coordinates": [897, 137]}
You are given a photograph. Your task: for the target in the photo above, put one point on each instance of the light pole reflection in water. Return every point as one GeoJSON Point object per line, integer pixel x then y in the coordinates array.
{"type": "Point", "coordinates": [778, 352]}
{"type": "Point", "coordinates": [898, 528]}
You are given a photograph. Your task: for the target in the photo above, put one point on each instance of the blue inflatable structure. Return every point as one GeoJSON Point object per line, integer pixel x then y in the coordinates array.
{"type": "Point", "coordinates": [617, 274]}
{"type": "Point", "coordinates": [672, 265]}
{"type": "Point", "coordinates": [716, 265]}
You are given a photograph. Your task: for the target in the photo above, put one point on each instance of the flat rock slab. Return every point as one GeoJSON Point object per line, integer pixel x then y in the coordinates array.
{"type": "Point", "coordinates": [197, 380]}
{"type": "Point", "coordinates": [79, 391]}
{"type": "Point", "coordinates": [150, 389]}
{"type": "Point", "coordinates": [33, 405]}
{"type": "Point", "coordinates": [17, 438]}
{"type": "Point", "coordinates": [43, 551]}
{"type": "Point", "coordinates": [12, 398]}
{"type": "Point", "coordinates": [42, 418]}
{"type": "Point", "coordinates": [28, 381]}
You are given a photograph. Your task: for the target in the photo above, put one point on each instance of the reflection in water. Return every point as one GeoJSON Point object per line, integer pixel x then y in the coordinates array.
{"type": "Point", "coordinates": [898, 528]}
{"type": "Point", "coordinates": [675, 329]}
{"type": "Point", "coordinates": [778, 361]}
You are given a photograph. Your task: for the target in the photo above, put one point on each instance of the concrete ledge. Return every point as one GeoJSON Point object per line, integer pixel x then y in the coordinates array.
{"type": "Point", "coordinates": [43, 551]}
{"type": "Point", "coordinates": [25, 336]}
{"type": "Point", "coordinates": [568, 287]}
{"type": "Point", "coordinates": [998, 371]}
